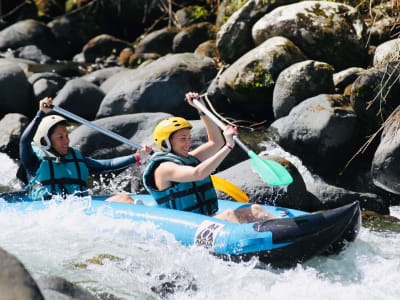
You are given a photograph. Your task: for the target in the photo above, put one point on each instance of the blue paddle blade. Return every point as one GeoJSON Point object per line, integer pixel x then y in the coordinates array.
{"type": "Point", "coordinates": [272, 172]}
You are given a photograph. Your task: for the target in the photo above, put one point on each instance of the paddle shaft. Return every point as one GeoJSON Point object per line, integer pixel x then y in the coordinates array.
{"type": "Point", "coordinates": [219, 123]}
{"type": "Point", "coordinates": [94, 126]}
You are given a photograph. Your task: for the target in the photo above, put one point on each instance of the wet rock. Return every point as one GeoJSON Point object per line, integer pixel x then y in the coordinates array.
{"type": "Point", "coordinates": [384, 171]}
{"type": "Point", "coordinates": [292, 196]}
{"type": "Point", "coordinates": [15, 280]}
{"type": "Point", "coordinates": [54, 287]}
{"type": "Point", "coordinates": [11, 127]}
{"type": "Point", "coordinates": [323, 131]}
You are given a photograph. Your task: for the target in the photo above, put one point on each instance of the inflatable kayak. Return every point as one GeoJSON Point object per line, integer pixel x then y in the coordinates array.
{"type": "Point", "coordinates": [282, 242]}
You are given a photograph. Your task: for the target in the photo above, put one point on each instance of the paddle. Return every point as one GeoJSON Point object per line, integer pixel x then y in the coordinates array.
{"type": "Point", "coordinates": [219, 183]}
{"type": "Point", "coordinates": [229, 188]}
{"type": "Point", "coordinates": [272, 172]}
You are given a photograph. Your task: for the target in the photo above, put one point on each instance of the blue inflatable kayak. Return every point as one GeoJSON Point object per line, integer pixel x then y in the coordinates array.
{"type": "Point", "coordinates": [281, 242]}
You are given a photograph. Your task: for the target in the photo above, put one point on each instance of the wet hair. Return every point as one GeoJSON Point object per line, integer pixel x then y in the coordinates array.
{"type": "Point", "coordinates": [51, 130]}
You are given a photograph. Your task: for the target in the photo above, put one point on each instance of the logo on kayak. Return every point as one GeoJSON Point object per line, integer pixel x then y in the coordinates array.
{"type": "Point", "coordinates": [207, 233]}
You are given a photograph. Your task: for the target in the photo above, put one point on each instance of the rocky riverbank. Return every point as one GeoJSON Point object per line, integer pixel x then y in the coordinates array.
{"type": "Point", "coordinates": [318, 78]}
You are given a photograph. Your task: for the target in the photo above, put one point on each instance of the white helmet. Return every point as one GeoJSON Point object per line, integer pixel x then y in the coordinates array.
{"type": "Point", "coordinates": [43, 130]}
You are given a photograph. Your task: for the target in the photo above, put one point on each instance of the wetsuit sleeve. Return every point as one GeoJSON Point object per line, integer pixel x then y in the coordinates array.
{"type": "Point", "coordinates": [107, 165]}
{"type": "Point", "coordinates": [28, 158]}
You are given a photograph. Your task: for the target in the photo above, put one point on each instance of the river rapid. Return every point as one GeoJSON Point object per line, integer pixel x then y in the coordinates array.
{"type": "Point", "coordinates": [132, 260]}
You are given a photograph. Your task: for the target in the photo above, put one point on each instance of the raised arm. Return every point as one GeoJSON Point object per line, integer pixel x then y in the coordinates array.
{"type": "Point", "coordinates": [169, 172]}
{"type": "Point", "coordinates": [215, 138]}
{"type": "Point", "coordinates": [27, 156]}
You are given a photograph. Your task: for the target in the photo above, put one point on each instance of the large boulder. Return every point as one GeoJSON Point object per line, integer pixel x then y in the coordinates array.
{"type": "Point", "coordinates": [234, 37]}
{"type": "Point", "coordinates": [15, 280]}
{"type": "Point", "coordinates": [159, 86]}
{"type": "Point", "coordinates": [301, 81]}
{"type": "Point", "coordinates": [323, 131]}
{"type": "Point", "coordinates": [30, 32]}
{"type": "Point", "coordinates": [375, 94]}
{"type": "Point", "coordinates": [46, 84]}
{"type": "Point", "coordinates": [385, 165]}
{"type": "Point", "coordinates": [326, 31]}
{"type": "Point", "coordinates": [251, 78]}
{"type": "Point", "coordinates": [80, 97]}
{"type": "Point", "coordinates": [16, 91]}
{"type": "Point", "coordinates": [11, 128]}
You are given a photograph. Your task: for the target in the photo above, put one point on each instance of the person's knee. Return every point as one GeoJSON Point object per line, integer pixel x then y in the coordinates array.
{"type": "Point", "coordinates": [258, 211]}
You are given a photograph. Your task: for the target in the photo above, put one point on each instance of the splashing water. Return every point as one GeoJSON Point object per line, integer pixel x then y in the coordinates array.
{"type": "Point", "coordinates": [132, 260]}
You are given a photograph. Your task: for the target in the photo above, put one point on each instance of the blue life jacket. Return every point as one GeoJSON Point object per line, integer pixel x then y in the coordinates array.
{"type": "Point", "coordinates": [198, 196]}
{"type": "Point", "coordinates": [65, 175]}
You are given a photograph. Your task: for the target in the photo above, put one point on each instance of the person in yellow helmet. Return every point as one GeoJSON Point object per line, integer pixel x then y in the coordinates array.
{"type": "Point", "coordinates": [54, 168]}
{"type": "Point", "coordinates": [179, 178]}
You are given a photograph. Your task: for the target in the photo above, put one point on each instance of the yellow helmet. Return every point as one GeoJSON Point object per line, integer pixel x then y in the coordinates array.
{"type": "Point", "coordinates": [43, 130]}
{"type": "Point", "coordinates": [165, 128]}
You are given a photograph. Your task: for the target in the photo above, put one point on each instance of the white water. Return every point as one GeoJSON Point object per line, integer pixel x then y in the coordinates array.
{"type": "Point", "coordinates": [62, 240]}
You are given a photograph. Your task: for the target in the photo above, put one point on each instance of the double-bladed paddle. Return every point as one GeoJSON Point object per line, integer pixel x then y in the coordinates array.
{"type": "Point", "coordinates": [219, 183]}
{"type": "Point", "coordinates": [272, 172]}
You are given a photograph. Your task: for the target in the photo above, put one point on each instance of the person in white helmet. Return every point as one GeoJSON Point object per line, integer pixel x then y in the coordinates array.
{"type": "Point", "coordinates": [54, 168]}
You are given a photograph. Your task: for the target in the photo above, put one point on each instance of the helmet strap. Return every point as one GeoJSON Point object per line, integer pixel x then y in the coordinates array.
{"type": "Point", "coordinates": [48, 143]}
{"type": "Point", "coordinates": [166, 146]}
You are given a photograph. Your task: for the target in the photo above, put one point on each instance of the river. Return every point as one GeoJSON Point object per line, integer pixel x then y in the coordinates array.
{"type": "Point", "coordinates": [130, 260]}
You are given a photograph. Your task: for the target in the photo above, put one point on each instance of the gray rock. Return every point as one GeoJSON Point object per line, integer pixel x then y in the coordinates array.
{"type": "Point", "coordinates": [234, 37]}
{"type": "Point", "coordinates": [159, 86]}
{"type": "Point", "coordinates": [190, 37]}
{"type": "Point", "coordinates": [298, 82]}
{"type": "Point", "coordinates": [159, 41]}
{"type": "Point", "coordinates": [16, 91]}
{"type": "Point", "coordinates": [375, 94]}
{"type": "Point", "coordinates": [251, 78]}
{"type": "Point", "coordinates": [80, 97]}
{"type": "Point", "coordinates": [99, 76]}
{"type": "Point", "coordinates": [11, 128]}
{"type": "Point", "coordinates": [30, 32]}
{"type": "Point", "coordinates": [136, 127]}
{"type": "Point", "coordinates": [313, 25]}
{"type": "Point", "coordinates": [385, 165]}
{"type": "Point", "coordinates": [323, 131]}
{"type": "Point", "coordinates": [103, 45]}
{"type": "Point", "coordinates": [46, 84]}
{"type": "Point", "coordinates": [292, 196]}
{"type": "Point", "coordinates": [15, 280]}
{"type": "Point", "coordinates": [57, 288]}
